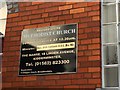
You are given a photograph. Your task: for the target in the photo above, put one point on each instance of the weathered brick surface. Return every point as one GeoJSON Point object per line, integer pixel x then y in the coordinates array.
{"type": "Point", "coordinates": [42, 14]}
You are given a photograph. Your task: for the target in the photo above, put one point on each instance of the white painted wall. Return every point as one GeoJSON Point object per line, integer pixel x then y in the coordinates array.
{"type": "Point", "coordinates": [3, 16]}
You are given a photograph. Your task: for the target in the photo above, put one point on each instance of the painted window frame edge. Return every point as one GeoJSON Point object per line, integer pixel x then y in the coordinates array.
{"type": "Point", "coordinates": [102, 50]}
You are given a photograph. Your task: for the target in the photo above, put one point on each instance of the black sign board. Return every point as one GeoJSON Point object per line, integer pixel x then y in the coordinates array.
{"type": "Point", "coordinates": [49, 50]}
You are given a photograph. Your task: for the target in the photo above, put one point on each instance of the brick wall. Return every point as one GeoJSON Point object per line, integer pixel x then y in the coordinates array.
{"type": "Point", "coordinates": [36, 15]}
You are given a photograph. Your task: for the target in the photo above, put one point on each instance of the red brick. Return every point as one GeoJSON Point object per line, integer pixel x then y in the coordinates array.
{"type": "Point", "coordinates": [9, 20]}
{"type": "Point", "coordinates": [65, 17]}
{"type": "Point", "coordinates": [80, 53]}
{"type": "Point", "coordinates": [9, 74]}
{"type": "Point", "coordinates": [80, 81]}
{"type": "Point", "coordinates": [31, 7]}
{"type": "Point", "coordinates": [57, 23]}
{"type": "Point", "coordinates": [16, 19]}
{"type": "Point", "coordinates": [22, 8]}
{"type": "Point", "coordinates": [41, 78]}
{"type": "Point", "coordinates": [13, 15]}
{"type": "Point", "coordinates": [58, 4]}
{"type": "Point", "coordinates": [55, 13]}
{"type": "Point", "coordinates": [18, 84]}
{"type": "Point", "coordinates": [63, 82]}
{"type": "Point", "coordinates": [95, 13]}
{"type": "Point", "coordinates": [66, 12]}
{"type": "Point", "coordinates": [55, 87]}
{"type": "Point", "coordinates": [81, 31]}
{"type": "Point", "coordinates": [97, 7]}
{"type": "Point", "coordinates": [87, 9]}
{"type": "Point", "coordinates": [12, 68]}
{"type": "Point", "coordinates": [93, 3]}
{"type": "Point", "coordinates": [96, 40]}
{"type": "Point", "coordinates": [99, 85]}
{"type": "Point", "coordinates": [18, 28]}
{"type": "Point", "coordinates": [44, 25]}
{"type": "Point", "coordinates": [32, 84]}
{"type": "Point", "coordinates": [49, 82]}
{"type": "Point", "coordinates": [6, 39]}
{"type": "Point", "coordinates": [51, 9]}
{"type": "Point", "coordinates": [65, 7]}
{"type": "Point", "coordinates": [84, 64]}
{"type": "Point", "coordinates": [12, 24]}
{"type": "Point", "coordinates": [38, 11]}
{"type": "Point", "coordinates": [37, 16]}
{"type": "Point", "coordinates": [15, 48]}
{"type": "Point", "coordinates": [70, 2]}
{"type": "Point", "coordinates": [17, 38]}
{"type": "Point", "coordinates": [11, 53]}
{"type": "Point", "coordinates": [86, 41]}
{"type": "Point", "coordinates": [94, 69]}
{"type": "Point", "coordinates": [95, 18]}
{"type": "Point", "coordinates": [52, 77]}
{"type": "Point", "coordinates": [25, 13]}
{"type": "Point", "coordinates": [78, 10]}
{"type": "Point", "coordinates": [65, 76]}
{"type": "Point", "coordinates": [87, 75]}
{"type": "Point", "coordinates": [35, 3]}
{"type": "Point", "coordinates": [80, 4]}
{"type": "Point", "coordinates": [93, 35]}
{"type": "Point", "coordinates": [4, 68]}
{"type": "Point", "coordinates": [24, 18]}
{"type": "Point", "coordinates": [44, 15]}
{"type": "Point", "coordinates": [96, 29]}
{"type": "Point", "coordinates": [5, 49]}
{"type": "Point", "coordinates": [21, 4]}
{"type": "Point", "coordinates": [96, 75]}
{"type": "Point", "coordinates": [88, 53]}
{"type": "Point", "coordinates": [7, 85]}
{"type": "Point", "coordinates": [94, 46]}
{"type": "Point", "coordinates": [24, 23]}
{"type": "Point", "coordinates": [31, 26]}
{"type": "Point", "coordinates": [86, 19]}
{"type": "Point", "coordinates": [72, 86]}
{"type": "Point", "coordinates": [83, 70]}
{"type": "Point", "coordinates": [37, 21]}
{"type": "Point", "coordinates": [27, 4]}
{"type": "Point", "coordinates": [31, 78]}
{"type": "Point", "coordinates": [54, 18]}
{"type": "Point", "coordinates": [78, 15]}
{"type": "Point", "coordinates": [17, 53]}
{"type": "Point", "coordinates": [94, 81]}
{"type": "Point", "coordinates": [95, 52]}
{"type": "Point", "coordinates": [93, 58]}
{"type": "Point", "coordinates": [82, 36]}
{"type": "Point", "coordinates": [82, 47]}
{"type": "Point", "coordinates": [11, 34]}
{"type": "Point", "coordinates": [72, 21]}
{"type": "Point", "coordinates": [15, 58]}
{"type": "Point", "coordinates": [82, 25]}
{"type": "Point", "coordinates": [51, 19]}
{"type": "Point", "coordinates": [78, 65]}
{"type": "Point", "coordinates": [78, 76]}
{"type": "Point", "coordinates": [90, 64]}
{"type": "Point", "coordinates": [87, 87]}
{"type": "Point", "coordinates": [45, 5]}
{"type": "Point", "coordinates": [6, 45]}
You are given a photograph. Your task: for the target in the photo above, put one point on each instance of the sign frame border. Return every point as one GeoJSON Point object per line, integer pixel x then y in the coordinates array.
{"type": "Point", "coordinates": [61, 73]}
